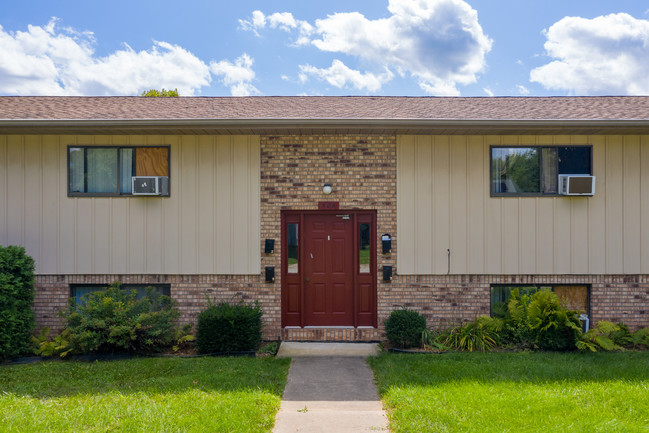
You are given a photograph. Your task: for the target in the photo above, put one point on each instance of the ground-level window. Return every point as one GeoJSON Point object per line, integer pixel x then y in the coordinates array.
{"type": "Point", "coordinates": [575, 297]}
{"type": "Point", "coordinates": [77, 291]}
{"type": "Point", "coordinates": [98, 170]}
{"type": "Point", "coordinates": [535, 170]}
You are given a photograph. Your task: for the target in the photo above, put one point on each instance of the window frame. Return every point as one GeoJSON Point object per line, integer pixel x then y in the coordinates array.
{"type": "Point", "coordinates": [541, 169]}
{"type": "Point", "coordinates": [119, 162]}
{"type": "Point", "coordinates": [538, 288]}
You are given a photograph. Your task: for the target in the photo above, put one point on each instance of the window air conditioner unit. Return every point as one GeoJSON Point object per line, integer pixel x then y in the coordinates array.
{"type": "Point", "coordinates": [576, 184]}
{"type": "Point", "coordinates": [150, 185]}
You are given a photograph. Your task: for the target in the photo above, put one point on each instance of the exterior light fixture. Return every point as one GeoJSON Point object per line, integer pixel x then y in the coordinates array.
{"type": "Point", "coordinates": [327, 188]}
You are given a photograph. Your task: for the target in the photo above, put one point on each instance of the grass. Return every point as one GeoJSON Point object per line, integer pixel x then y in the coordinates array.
{"type": "Point", "coordinates": [143, 395]}
{"type": "Point", "coordinates": [515, 392]}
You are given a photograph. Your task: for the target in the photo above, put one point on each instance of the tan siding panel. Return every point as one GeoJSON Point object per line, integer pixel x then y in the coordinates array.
{"type": "Point", "coordinates": [32, 201]}
{"type": "Point", "coordinates": [241, 235]}
{"type": "Point", "coordinates": [405, 205]}
{"type": "Point", "coordinates": [188, 205]}
{"type": "Point", "coordinates": [171, 211]}
{"type": "Point", "coordinates": [224, 200]}
{"type": "Point", "coordinates": [206, 203]}
{"type": "Point", "coordinates": [441, 204]}
{"type": "Point", "coordinates": [597, 210]}
{"type": "Point", "coordinates": [632, 204]}
{"type": "Point", "coordinates": [16, 190]}
{"type": "Point", "coordinates": [4, 191]}
{"type": "Point", "coordinates": [579, 228]}
{"type": "Point", "coordinates": [614, 204]}
{"type": "Point", "coordinates": [50, 204]}
{"type": "Point", "coordinates": [424, 183]}
{"type": "Point", "coordinates": [477, 194]}
{"type": "Point", "coordinates": [67, 213]}
{"type": "Point", "coordinates": [458, 208]}
{"type": "Point", "coordinates": [644, 205]}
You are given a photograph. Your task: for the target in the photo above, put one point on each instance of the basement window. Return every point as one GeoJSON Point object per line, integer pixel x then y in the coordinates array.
{"type": "Point", "coordinates": [77, 291]}
{"type": "Point", "coordinates": [575, 297]}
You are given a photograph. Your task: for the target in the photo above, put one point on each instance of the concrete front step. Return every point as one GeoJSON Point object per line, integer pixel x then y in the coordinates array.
{"type": "Point", "coordinates": [341, 334]}
{"type": "Point", "coordinates": [291, 349]}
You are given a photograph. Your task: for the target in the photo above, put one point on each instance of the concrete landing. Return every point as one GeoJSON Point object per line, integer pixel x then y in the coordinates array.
{"type": "Point", "coordinates": [330, 393]}
{"type": "Point", "coordinates": [291, 349]}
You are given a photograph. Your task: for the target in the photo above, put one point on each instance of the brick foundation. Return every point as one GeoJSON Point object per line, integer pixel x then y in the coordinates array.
{"type": "Point", "coordinates": [442, 299]}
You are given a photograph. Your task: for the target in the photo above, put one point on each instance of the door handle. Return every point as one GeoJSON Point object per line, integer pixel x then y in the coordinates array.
{"type": "Point", "coordinates": [307, 279]}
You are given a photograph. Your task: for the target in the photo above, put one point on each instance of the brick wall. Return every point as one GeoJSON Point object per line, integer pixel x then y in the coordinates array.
{"type": "Point", "coordinates": [362, 171]}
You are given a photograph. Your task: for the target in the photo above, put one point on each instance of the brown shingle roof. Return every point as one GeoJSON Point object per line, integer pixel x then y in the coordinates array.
{"type": "Point", "coordinates": [292, 114]}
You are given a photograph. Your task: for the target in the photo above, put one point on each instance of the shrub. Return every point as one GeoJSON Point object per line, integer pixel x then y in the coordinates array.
{"type": "Point", "coordinates": [609, 337]}
{"type": "Point", "coordinates": [553, 326]}
{"type": "Point", "coordinates": [16, 298]}
{"type": "Point", "coordinates": [477, 335]}
{"type": "Point", "coordinates": [114, 320]}
{"type": "Point", "coordinates": [226, 328]}
{"type": "Point", "coordinates": [404, 328]}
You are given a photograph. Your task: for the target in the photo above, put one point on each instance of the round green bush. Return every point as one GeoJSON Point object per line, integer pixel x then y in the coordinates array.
{"type": "Point", "coordinates": [226, 328]}
{"type": "Point", "coordinates": [404, 328]}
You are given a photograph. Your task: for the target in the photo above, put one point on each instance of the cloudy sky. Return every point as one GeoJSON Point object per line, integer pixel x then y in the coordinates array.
{"type": "Point", "coordinates": [350, 47]}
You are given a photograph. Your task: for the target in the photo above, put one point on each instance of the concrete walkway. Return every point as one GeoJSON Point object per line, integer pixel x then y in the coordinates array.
{"type": "Point", "coordinates": [330, 388]}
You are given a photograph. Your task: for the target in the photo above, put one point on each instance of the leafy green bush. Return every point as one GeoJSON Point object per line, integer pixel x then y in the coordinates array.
{"type": "Point", "coordinates": [404, 328]}
{"type": "Point", "coordinates": [539, 321]}
{"type": "Point", "coordinates": [610, 337]}
{"type": "Point", "coordinates": [480, 335]}
{"type": "Point", "coordinates": [114, 320]}
{"type": "Point", "coordinates": [226, 328]}
{"type": "Point", "coordinates": [554, 327]}
{"type": "Point", "coordinates": [16, 298]}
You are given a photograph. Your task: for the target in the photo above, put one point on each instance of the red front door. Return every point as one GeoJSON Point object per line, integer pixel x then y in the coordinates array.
{"type": "Point", "coordinates": [328, 270]}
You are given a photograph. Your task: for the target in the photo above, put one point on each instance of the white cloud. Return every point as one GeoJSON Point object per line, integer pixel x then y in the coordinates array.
{"type": "Point", "coordinates": [522, 90]}
{"type": "Point", "coordinates": [279, 20]}
{"type": "Point", "coordinates": [237, 76]}
{"type": "Point", "coordinates": [605, 55]}
{"type": "Point", "coordinates": [339, 75]}
{"type": "Point", "coordinates": [488, 91]}
{"type": "Point", "coordinates": [51, 61]}
{"type": "Point", "coordinates": [438, 42]}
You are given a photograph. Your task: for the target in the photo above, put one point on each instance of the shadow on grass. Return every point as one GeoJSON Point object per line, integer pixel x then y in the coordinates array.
{"type": "Point", "coordinates": [401, 370]}
{"type": "Point", "coordinates": [52, 379]}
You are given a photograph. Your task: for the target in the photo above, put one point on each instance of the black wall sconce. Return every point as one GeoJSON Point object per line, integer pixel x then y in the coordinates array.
{"type": "Point", "coordinates": [386, 244]}
{"type": "Point", "coordinates": [269, 246]}
{"type": "Point", "coordinates": [387, 273]}
{"type": "Point", "coordinates": [270, 274]}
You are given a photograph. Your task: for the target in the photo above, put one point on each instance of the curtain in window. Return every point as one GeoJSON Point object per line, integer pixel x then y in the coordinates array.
{"type": "Point", "coordinates": [549, 172]}
{"type": "Point", "coordinates": [102, 170]}
{"type": "Point", "coordinates": [77, 170]}
{"type": "Point", "coordinates": [126, 170]}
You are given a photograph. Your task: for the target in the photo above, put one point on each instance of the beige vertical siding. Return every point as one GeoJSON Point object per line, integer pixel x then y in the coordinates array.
{"type": "Point", "coordinates": [208, 225]}
{"type": "Point", "coordinates": [444, 203]}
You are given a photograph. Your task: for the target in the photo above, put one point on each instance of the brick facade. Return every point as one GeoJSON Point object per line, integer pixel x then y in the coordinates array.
{"type": "Point", "coordinates": [362, 170]}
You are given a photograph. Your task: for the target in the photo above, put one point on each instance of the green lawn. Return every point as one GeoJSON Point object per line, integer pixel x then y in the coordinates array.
{"type": "Point", "coordinates": [515, 392]}
{"type": "Point", "coordinates": [143, 395]}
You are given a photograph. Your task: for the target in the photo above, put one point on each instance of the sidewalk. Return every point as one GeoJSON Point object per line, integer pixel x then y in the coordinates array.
{"type": "Point", "coordinates": [334, 393]}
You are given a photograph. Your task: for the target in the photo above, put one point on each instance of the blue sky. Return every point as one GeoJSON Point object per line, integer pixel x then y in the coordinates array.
{"type": "Point", "coordinates": [352, 47]}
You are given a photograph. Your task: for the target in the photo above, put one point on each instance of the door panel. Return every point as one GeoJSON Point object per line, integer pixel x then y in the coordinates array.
{"type": "Point", "coordinates": [328, 271]}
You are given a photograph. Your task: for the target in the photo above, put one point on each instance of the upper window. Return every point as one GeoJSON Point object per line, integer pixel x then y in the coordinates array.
{"type": "Point", "coordinates": [535, 170]}
{"type": "Point", "coordinates": [96, 170]}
